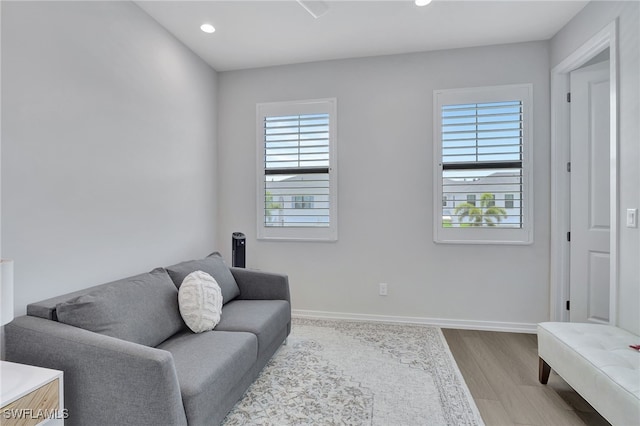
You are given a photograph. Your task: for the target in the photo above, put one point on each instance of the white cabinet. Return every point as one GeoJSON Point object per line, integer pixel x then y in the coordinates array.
{"type": "Point", "coordinates": [30, 395]}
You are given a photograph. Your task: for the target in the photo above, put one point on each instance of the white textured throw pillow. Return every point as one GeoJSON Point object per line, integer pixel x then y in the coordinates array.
{"type": "Point", "coordinates": [200, 301]}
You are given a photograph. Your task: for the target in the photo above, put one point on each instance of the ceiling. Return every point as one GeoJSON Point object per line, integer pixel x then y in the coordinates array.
{"type": "Point", "coordinates": [252, 34]}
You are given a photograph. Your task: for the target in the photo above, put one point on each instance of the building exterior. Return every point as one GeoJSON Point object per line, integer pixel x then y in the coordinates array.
{"type": "Point", "coordinates": [504, 187]}
{"type": "Point", "coordinates": [298, 200]}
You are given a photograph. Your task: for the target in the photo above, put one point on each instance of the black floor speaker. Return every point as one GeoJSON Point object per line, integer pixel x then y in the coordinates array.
{"type": "Point", "coordinates": [238, 249]}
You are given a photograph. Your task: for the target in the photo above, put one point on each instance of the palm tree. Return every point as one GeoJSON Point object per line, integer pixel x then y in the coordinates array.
{"type": "Point", "coordinates": [270, 205]}
{"type": "Point", "coordinates": [487, 213]}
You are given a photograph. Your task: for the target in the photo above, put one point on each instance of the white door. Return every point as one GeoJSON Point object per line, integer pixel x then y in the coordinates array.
{"type": "Point", "coordinates": [590, 195]}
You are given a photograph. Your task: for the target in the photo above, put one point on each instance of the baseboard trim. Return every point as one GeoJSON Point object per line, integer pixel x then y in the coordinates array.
{"type": "Point", "coordinates": [513, 327]}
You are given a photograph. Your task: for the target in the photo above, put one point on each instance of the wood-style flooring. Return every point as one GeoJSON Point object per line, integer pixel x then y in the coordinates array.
{"type": "Point", "coordinates": [501, 371]}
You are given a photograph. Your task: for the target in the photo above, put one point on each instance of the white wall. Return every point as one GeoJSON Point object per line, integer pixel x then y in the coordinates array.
{"type": "Point", "coordinates": [594, 17]}
{"type": "Point", "coordinates": [385, 189]}
{"type": "Point", "coordinates": [108, 146]}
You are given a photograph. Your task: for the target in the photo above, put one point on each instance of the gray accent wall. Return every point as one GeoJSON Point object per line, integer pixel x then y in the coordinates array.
{"type": "Point", "coordinates": [385, 189]}
{"type": "Point", "coordinates": [108, 146]}
{"type": "Point", "coordinates": [594, 17]}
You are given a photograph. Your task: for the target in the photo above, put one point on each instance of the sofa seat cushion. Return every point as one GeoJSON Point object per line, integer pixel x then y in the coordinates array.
{"type": "Point", "coordinates": [213, 265]}
{"type": "Point", "coordinates": [264, 318]}
{"type": "Point", "coordinates": [141, 309]}
{"type": "Point", "coordinates": [208, 364]}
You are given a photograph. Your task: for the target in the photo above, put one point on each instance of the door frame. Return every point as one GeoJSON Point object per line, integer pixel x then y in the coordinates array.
{"type": "Point", "coordinates": [560, 179]}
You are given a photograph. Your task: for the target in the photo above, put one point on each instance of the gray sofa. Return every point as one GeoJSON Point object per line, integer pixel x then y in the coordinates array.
{"type": "Point", "coordinates": [129, 359]}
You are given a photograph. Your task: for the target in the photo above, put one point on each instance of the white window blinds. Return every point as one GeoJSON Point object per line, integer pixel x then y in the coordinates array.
{"type": "Point", "coordinates": [483, 166]}
{"type": "Point", "coordinates": [298, 180]}
{"type": "Point", "coordinates": [296, 164]}
{"type": "Point", "coordinates": [482, 163]}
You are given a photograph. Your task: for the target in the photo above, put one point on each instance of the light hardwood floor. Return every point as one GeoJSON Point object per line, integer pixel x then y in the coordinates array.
{"type": "Point", "coordinates": [501, 371]}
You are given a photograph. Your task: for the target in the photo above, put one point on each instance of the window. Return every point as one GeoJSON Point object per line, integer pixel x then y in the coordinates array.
{"type": "Point", "coordinates": [508, 201]}
{"type": "Point", "coordinates": [303, 201]}
{"type": "Point", "coordinates": [482, 152]}
{"type": "Point", "coordinates": [297, 197]}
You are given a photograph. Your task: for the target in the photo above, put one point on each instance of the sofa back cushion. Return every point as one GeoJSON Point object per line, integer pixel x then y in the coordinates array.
{"type": "Point", "coordinates": [213, 265]}
{"type": "Point", "coordinates": [141, 309]}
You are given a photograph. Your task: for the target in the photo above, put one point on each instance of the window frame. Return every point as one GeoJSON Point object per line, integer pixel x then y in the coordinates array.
{"type": "Point", "coordinates": [301, 233]}
{"type": "Point", "coordinates": [485, 235]}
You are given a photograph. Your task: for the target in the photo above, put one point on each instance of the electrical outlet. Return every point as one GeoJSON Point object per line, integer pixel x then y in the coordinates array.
{"type": "Point", "coordinates": [383, 289]}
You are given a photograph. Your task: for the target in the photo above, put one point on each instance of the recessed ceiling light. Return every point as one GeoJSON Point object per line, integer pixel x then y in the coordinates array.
{"type": "Point", "coordinates": [207, 28]}
{"type": "Point", "coordinates": [422, 2]}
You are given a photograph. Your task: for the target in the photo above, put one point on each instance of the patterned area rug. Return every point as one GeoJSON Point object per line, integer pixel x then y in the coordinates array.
{"type": "Point", "coordinates": [358, 373]}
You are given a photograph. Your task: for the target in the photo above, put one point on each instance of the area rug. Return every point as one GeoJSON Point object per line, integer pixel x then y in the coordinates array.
{"type": "Point", "coordinates": [358, 373]}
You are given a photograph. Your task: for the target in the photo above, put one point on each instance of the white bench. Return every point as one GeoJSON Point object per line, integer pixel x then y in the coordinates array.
{"type": "Point", "coordinates": [596, 361]}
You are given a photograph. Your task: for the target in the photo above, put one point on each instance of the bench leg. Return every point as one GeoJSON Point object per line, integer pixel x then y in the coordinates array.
{"type": "Point", "coordinates": [543, 371]}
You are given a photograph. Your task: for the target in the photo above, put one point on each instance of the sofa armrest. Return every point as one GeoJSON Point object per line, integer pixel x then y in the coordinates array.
{"type": "Point", "coordinates": [261, 285]}
{"type": "Point", "coordinates": [106, 380]}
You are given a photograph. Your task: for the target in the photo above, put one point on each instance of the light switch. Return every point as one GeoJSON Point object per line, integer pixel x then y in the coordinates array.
{"type": "Point", "coordinates": [632, 218]}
